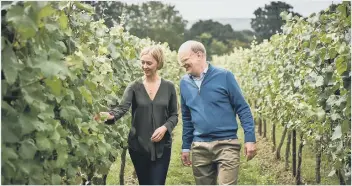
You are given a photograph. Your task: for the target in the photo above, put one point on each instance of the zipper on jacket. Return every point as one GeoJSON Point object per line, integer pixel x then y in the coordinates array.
{"type": "Point", "coordinates": [200, 86]}
{"type": "Point", "coordinates": [195, 85]}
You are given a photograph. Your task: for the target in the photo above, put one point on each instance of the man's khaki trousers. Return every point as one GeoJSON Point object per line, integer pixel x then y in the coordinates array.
{"type": "Point", "coordinates": [216, 161]}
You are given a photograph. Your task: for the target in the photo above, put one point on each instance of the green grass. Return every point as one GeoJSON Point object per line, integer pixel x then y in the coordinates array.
{"type": "Point", "coordinates": [178, 174]}
{"type": "Point", "coordinates": [308, 159]}
{"type": "Point", "coordinates": [263, 169]}
{"type": "Point", "coordinates": [113, 176]}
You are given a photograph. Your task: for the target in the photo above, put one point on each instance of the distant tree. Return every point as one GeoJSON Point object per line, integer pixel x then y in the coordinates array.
{"type": "Point", "coordinates": [244, 36]}
{"type": "Point", "coordinates": [218, 39]}
{"type": "Point", "coordinates": [218, 47]}
{"type": "Point", "coordinates": [160, 22]}
{"type": "Point", "coordinates": [331, 9]}
{"type": "Point", "coordinates": [267, 20]}
{"type": "Point", "coordinates": [223, 33]}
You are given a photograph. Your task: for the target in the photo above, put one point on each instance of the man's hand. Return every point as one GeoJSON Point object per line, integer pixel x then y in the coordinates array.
{"type": "Point", "coordinates": [249, 150]}
{"type": "Point", "coordinates": [186, 160]}
{"type": "Point", "coordinates": [159, 134]}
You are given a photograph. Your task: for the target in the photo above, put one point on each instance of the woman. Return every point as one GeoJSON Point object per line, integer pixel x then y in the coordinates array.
{"type": "Point", "coordinates": [154, 116]}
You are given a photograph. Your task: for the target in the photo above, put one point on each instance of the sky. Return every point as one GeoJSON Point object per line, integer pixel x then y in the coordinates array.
{"type": "Point", "coordinates": [207, 9]}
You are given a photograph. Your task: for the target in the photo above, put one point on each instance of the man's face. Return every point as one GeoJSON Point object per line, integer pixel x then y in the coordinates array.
{"type": "Point", "coordinates": [190, 61]}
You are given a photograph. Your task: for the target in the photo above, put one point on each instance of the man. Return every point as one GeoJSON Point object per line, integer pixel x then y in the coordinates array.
{"type": "Point", "coordinates": [210, 100]}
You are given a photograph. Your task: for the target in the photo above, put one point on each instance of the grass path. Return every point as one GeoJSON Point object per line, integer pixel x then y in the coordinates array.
{"type": "Point", "coordinates": [262, 170]}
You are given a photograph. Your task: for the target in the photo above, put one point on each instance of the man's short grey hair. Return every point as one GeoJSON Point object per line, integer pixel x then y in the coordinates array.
{"type": "Point", "coordinates": [195, 46]}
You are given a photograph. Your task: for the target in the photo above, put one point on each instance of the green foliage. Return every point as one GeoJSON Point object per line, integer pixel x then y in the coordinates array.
{"type": "Point", "coordinates": [59, 69]}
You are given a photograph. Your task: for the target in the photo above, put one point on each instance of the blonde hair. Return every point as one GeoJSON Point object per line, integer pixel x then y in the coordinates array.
{"type": "Point", "coordinates": [156, 52]}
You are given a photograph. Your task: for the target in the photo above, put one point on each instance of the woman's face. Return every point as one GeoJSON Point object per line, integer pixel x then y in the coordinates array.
{"type": "Point", "coordinates": [149, 65]}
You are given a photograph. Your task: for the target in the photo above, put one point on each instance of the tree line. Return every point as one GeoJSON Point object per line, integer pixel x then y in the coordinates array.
{"type": "Point", "coordinates": [163, 23]}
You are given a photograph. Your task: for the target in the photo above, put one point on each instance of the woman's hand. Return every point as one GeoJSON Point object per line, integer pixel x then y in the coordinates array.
{"type": "Point", "coordinates": [103, 116]}
{"type": "Point", "coordinates": [159, 134]}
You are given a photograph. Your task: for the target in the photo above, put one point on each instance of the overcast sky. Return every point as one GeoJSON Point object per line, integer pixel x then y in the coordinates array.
{"type": "Point", "coordinates": [206, 9]}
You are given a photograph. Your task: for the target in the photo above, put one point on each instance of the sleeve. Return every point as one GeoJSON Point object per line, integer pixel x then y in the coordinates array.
{"type": "Point", "coordinates": [241, 108]}
{"type": "Point", "coordinates": [187, 126]}
{"type": "Point", "coordinates": [173, 115]}
{"type": "Point", "coordinates": [123, 107]}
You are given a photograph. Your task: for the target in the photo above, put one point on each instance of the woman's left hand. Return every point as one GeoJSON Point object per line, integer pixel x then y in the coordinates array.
{"type": "Point", "coordinates": [159, 134]}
